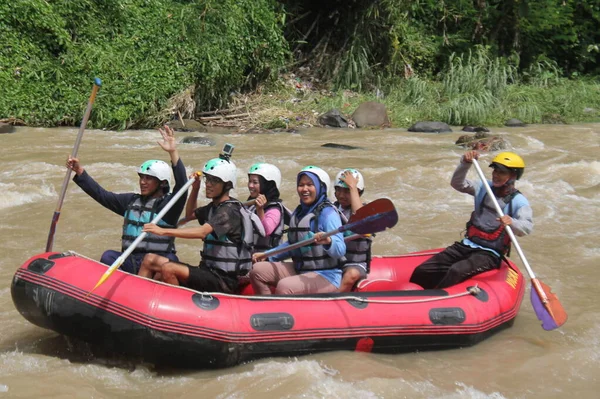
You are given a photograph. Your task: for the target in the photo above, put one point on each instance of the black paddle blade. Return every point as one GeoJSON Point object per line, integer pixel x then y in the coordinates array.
{"type": "Point", "coordinates": [373, 217]}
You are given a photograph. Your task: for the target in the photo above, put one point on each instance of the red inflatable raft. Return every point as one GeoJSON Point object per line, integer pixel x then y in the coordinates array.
{"type": "Point", "coordinates": [140, 318]}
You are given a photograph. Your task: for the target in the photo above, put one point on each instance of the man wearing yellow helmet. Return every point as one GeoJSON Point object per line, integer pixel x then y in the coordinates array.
{"type": "Point", "coordinates": [486, 241]}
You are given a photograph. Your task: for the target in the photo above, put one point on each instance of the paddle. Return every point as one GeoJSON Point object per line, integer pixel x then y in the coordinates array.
{"type": "Point", "coordinates": [371, 218]}
{"type": "Point", "coordinates": [61, 197]}
{"type": "Point", "coordinates": [545, 303]}
{"type": "Point", "coordinates": [139, 239]}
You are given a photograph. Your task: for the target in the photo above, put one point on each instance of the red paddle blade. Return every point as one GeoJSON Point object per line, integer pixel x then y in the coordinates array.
{"type": "Point", "coordinates": [373, 217]}
{"type": "Point", "coordinates": [546, 305]}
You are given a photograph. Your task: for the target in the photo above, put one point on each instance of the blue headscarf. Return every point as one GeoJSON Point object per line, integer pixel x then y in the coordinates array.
{"type": "Point", "coordinates": [302, 209]}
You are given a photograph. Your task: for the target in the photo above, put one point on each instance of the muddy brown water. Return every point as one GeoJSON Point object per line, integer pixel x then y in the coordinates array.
{"type": "Point", "coordinates": [562, 182]}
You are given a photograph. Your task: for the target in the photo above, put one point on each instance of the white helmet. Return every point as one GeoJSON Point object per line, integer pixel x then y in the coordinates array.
{"type": "Point", "coordinates": [360, 181]}
{"type": "Point", "coordinates": [221, 168]}
{"type": "Point", "coordinates": [323, 176]}
{"type": "Point", "coordinates": [268, 171]}
{"type": "Point", "coordinates": [158, 169]}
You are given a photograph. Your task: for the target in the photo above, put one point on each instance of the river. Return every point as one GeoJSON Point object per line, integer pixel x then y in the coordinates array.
{"type": "Point", "coordinates": [561, 180]}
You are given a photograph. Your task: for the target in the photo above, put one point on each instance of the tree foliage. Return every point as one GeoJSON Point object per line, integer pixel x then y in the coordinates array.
{"type": "Point", "coordinates": [149, 52]}
{"type": "Point", "coordinates": [145, 51]}
{"type": "Point", "coordinates": [364, 39]}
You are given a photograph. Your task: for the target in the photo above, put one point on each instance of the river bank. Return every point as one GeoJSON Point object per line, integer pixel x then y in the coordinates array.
{"type": "Point", "coordinates": [296, 101]}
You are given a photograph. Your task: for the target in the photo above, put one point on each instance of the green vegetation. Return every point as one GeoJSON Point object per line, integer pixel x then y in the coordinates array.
{"type": "Point", "coordinates": [145, 51]}
{"type": "Point", "coordinates": [457, 61]}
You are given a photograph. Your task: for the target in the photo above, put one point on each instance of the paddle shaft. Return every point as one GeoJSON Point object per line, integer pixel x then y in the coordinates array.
{"type": "Point", "coordinates": [499, 211]}
{"type": "Point", "coordinates": [156, 219]}
{"type": "Point", "coordinates": [65, 183]}
{"type": "Point", "coordinates": [299, 244]}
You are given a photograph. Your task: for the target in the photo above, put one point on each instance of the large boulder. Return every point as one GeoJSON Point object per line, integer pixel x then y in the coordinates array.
{"type": "Point", "coordinates": [430, 127]}
{"type": "Point", "coordinates": [6, 128]}
{"type": "Point", "coordinates": [514, 122]}
{"type": "Point", "coordinates": [187, 125]}
{"type": "Point", "coordinates": [475, 129]}
{"type": "Point", "coordinates": [371, 113]}
{"type": "Point", "coordinates": [333, 118]}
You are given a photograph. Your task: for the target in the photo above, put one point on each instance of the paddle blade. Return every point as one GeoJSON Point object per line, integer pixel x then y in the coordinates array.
{"type": "Point", "coordinates": [373, 217]}
{"type": "Point", "coordinates": [546, 305]}
{"type": "Point", "coordinates": [117, 263]}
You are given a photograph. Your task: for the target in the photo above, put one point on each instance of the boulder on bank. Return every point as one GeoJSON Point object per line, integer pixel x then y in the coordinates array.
{"type": "Point", "coordinates": [6, 128]}
{"type": "Point", "coordinates": [430, 127]}
{"type": "Point", "coordinates": [371, 113]}
{"type": "Point", "coordinates": [187, 125]}
{"type": "Point", "coordinates": [514, 122]}
{"type": "Point", "coordinates": [333, 118]}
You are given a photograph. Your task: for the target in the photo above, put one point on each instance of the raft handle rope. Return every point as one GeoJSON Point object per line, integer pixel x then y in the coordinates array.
{"type": "Point", "coordinates": [469, 291]}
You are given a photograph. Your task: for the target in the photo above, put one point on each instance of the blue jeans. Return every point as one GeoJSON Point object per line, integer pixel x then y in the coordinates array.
{"type": "Point", "coordinates": [132, 262]}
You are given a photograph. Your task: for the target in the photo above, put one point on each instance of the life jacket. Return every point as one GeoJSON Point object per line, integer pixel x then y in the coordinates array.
{"type": "Point", "coordinates": [224, 254]}
{"type": "Point", "coordinates": [312, 257]}
{"type": "Point", "coordinates": [138, 213]}
{"type": "Point", "coordinates": [358, 251]}
{"type": "Point", "coordinates": [483, 228]}
{"type": "Point", "coordinates": [263, 243]}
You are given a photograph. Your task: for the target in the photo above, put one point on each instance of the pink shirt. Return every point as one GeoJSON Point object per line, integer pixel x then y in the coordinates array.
{"type": "Point", "coordinates": [271, 220]}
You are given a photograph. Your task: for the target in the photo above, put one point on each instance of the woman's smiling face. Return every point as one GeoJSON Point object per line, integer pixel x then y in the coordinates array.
{"type": "Point", "coordinates": [306, 190]}
{"type": "Point", "coordinates": [253, 185]}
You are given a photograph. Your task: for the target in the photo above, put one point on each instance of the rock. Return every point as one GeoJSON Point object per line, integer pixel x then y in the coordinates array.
{"type": "Point", "coordinates": [482, 142]}
{"type": "Point", "coordinates": [188, 125]}
{"type": "Point", "coordinates": [371, 113]}
{"type": "Point", "coordinates": [6, 128]}
{"type": "Point", "coordinates": [430, 127]}
{"type": "Point", "coordinates": [333, 118]}
{"type": "Point", "coordinates": [464, 139]}
{"type": "Point", "coordinates": [513, 122]}
{"type": "Point", "coordinates": [341, 146]}
{"type": "Point", "coordinates": [475, 129]}
{"type": "Point", "coordinates": [198, 140]}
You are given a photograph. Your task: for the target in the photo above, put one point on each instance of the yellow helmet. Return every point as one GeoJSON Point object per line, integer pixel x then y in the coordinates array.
{"type": "Point", "coordinates": [511, 161]}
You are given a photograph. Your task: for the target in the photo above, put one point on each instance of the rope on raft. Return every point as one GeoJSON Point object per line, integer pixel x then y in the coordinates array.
{"type": "Point", "coordinates": [470, 291]}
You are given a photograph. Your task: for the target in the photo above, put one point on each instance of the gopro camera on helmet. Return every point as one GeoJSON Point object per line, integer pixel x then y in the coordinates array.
{"type": "Point", "coordinates": [227, 151]}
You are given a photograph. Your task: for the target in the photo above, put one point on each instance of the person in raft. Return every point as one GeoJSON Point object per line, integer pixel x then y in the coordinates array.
{"type": "Point", "coordinates": [264, 181]}
{"type": "Point", "coordinates": [314, 268]}
{"type": "Point", "coordinates": [138, 209]}
{"type": "Point", "coordinates": [226, 227]}
{"type": "Point", "coordinates": [349, 187]}
{"type": "Point", "coordinates": [486, 241]}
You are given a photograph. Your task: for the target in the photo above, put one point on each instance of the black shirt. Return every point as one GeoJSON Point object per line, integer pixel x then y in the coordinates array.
{"type": "Point", "coordinates": [226, 220]}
